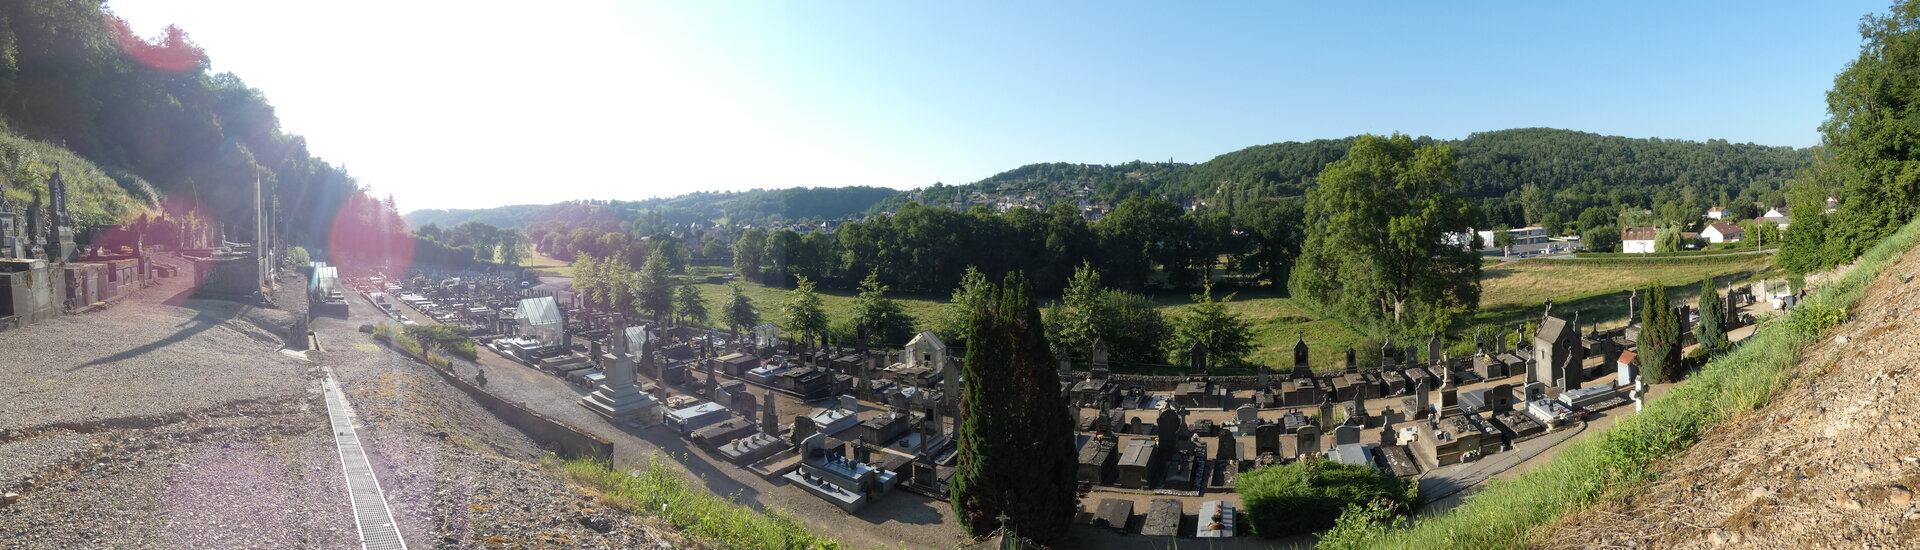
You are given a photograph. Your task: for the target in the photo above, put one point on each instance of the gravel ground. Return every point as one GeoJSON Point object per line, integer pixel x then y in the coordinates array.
{"type": "Point", "coordinates": [1832, 462]}
{"type": "Point", "coordinates": [168, 422]}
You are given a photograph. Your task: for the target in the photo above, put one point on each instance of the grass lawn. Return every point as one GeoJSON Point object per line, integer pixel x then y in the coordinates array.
{"type": "Point", "coordinates": [544, 265]}
{"type": "Point", "coordinates": [1512, 295]}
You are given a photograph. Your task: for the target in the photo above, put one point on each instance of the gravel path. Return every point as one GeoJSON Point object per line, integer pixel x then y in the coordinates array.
{"type": "Point", "coordinates": [168, 422]}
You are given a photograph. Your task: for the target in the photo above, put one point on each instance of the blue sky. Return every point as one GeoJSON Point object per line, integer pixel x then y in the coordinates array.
{"type": "Point", "coordinates": [475, 104]}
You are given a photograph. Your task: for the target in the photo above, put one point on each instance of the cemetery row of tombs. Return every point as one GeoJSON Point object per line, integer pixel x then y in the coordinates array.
{"type": "Point", "coordinates": [860, 423]}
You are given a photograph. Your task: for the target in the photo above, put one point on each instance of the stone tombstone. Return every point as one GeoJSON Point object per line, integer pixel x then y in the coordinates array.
{"type": "Point", "coordinates": [770, 421]}
{"type": "Point", "coordinates": [1449, 397]}
{"type": "Point", "coordinates": [1197, 357]}
{"type": "Point", "coordinates": [1300, 353]}
{"type": "Point", "coordinates": [1346, 434]}
{"type": "Point", "coordinates": [1421, 399]}
{"type": "Point", "coordinates": [1412, 355]}
{"type": "Point", "coordinates": [1386, 356]}
{"type": "Point", "coordinates": [1500, 342]}
{"type": "Point", "coordinates": [1246, 414]}
{"type": "Point", "coordinates": [1633, 305]}
{"type": "Point", "coordinates": [1433, 348]}
{"type": "Point", "coordinates": [1479, 343]}
{"type": "Point", "coordinates": [1101, 368]}
{"type": "Point", "coordinates": [803, 428]}
{"type": "Point", "coordinates": [1225, 448]}
{"type": "Point", "coordinates": [1134, 426]}
{"type": "Point", "coordinates": [1306, 441]}
{"type": "Point", "coordinates": [1359, 407]}
{"type": "Point", "coordinates": [1168, 427]}
{"type": "Point", "coordinates": [1499, 398]}
{"type": "Point", "coordinates": [811, 444]}
{"type": "Point", "coordinates": [1352, 359]}
{"type": "Point", "coordinates": [1266, 438]}
{"type": "Point", "coordinates": [1261, 382]}
{"type": "Point", "coordinates": [1534, 391]}
{"type": "Point", "coordinates": [1066, 365]}
{"type": "Point", "coordinates": [1326, 410]}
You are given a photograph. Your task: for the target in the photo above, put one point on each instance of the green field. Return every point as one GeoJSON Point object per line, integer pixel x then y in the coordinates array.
{"type": "Point", "coordinates": [1512, 294]}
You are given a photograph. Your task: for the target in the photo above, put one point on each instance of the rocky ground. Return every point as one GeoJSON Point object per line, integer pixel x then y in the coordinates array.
{"type": "Point", "coordinates": [1833, 462]}
{"type": "Point", "coordinates": [168, 422]}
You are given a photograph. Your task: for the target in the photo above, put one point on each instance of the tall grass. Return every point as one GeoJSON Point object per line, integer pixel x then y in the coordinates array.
{"type": "Point", "coordinates": [1502, 515]}
{"type": "Point", "coordinates": [660, 490]}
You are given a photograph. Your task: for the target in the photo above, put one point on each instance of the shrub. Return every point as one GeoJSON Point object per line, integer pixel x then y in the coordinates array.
{"type": "Point", "coordinates": [453, 340]}
{"type": "Point", "coordinates": [657, 489]}
{"type": "Point", "coordinates": [298, 256]}
{"type": "Point", "coordinates": [1309, 495]}
{"type": "Point", "coordinates": [1811, 319]}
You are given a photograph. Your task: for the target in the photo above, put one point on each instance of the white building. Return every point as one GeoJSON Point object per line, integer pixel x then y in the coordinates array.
{"type": "Point", "coordinates": [1717, 213]}
{"type": "Point", "coordinates": [1723, 232]}
{"type": "Point", "coordinates": [1638, 240]}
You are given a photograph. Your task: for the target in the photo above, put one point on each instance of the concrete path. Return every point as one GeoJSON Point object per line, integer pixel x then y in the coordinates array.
{"type": "Point", "coordinates": [378, 530]}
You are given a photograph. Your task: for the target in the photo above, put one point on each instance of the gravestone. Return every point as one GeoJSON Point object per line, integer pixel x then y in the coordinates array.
{"type": "Point", "coordinates": [1326, 410]}
{"type": "Point", "coordinates": [1266, 438]}
{"type": "Point", "coordinates": [1134, 426]}
{"type": "Point", "coordinates": [769, 420]}
{"type": "Point", "coordinates": [1386, 356]}
{"type": "Point", "coordinates": [1300, 354]}
{"type": "Point", "coordinates": [1346, 434]}
{"type": "Point", "coordinates": [1246, 414]}
{"type": "Point", "coordinates": [803, 428]}
{"type": "Point", "coordinates": [1422, 407]}
{"type": "Point", "coordinates": [1168, 427]}
{"type": "Point", "coordinates": [1412, 354]}
{"type": "Point", "coordinates": [1499, 398]}
{"type": "Point", "coordinates": [1352, 360]}
{"type": "Point", "coordinates": [1479, 343]}
{"type": "Point", "coordinates": [1197, 357]}
{"type": "Point", "coordinates": [1433, 348]}
{"type": "Point", "coordinates": [1100, 368]}
{"type": "Point", "coordinates": [1225, 447]}
{"type": "Point", "coordinates": [1534, 391]}
{"type": "Point", "coordinates": [1500, 342]}
{"type": "Point", "coordinates": [1306, 442]}
{"type": "Point", "coordinates": [1449, 397]}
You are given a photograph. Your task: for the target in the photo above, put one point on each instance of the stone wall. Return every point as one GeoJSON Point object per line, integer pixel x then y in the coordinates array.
{"type": "Point", "coordinates": [571, 442]}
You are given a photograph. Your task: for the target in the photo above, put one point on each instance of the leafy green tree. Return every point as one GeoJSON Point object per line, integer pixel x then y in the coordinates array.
{"type": "Point", "coordinates": [1228, 336]}
{"type": "Point", "coordinates": [653, 289]}
{"type": "Point", "coordinates": [747, 252]}
{"type": "Point", "coordinates": [1601, 238]}
{"type": "Point", "coordinates": [689, 305]}
{"type": "Point", "coordinates": [740, 313]}
{"type": "Point", "coordinates": [1711, 333]}
{"type": "Point", "coordinates": [973, 291]}
{"type": "Point", "coordinates": [1016, 454]}
{"type": "Point", "coordinates": [1659, 337]}
{"type": "Point", "coordinates": [1275, 233]}
{"type": "Point", "coordinates": [803, 311]}
{"type": "Point", "coordinates": [1375, 233]}
{"type": "Point", "coordinates": [886, 321]}
{"type": "Point", "coordinates": [1080, 311]}
{"type": "Point", "coordinates": [513, 247]}
{"type": "Point", "coordinates": [1869, 131]}
{"type": "Point", "coordinates": [1310, 494]}
{"type": "Point", "coordinates": [1667, 239]}
{"type": "Point", "coordinates": [1502, 236]}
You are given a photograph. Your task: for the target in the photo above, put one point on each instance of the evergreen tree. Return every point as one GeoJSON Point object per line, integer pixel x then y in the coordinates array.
{"type": "Point", "coordinates": [886, 321]}
{"type": "Point", "coordinates": [1711, 332]}
{"type": "Point", "coordinates": [804, 314]}
{"type": "Point", "coordinates": [740, 313]}
{"type": "Point", "coordinates": [1228, 336]}
{"type": "Point", "coordinates": [689, 305]}
{"type": "Point", "coordinates": [1016, 441]}
{"type": "Point", "coordinates": [1659, 337]}
{"type": "Point", "coordinates": [653, 290]}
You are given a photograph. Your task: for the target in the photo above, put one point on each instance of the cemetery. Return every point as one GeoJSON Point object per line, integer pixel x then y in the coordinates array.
{"type": "Point", "coordinates": [852, 424]}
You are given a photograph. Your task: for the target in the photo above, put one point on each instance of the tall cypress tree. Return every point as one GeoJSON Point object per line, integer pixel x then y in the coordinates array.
{"type": "Point", "coordinates": [1659, 336]}
{"type": "Point", "coordinates": [1712, 333]}
{"type": "Point", "coordinates": [1016, 440]}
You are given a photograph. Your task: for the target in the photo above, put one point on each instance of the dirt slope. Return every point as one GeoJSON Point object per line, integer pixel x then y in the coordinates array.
{"type": "Point", "coordinates": [1833, 462]}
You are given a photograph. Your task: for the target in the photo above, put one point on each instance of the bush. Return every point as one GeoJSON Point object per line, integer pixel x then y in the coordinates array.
{"type": "Point", "coordinates": [1812, 319]}
{"type": "Point", "coordinates": [1309, 495]}
{"type": "Point", "coordinates": [453, 340]}
{"type": "Point", "coordinates": [299, 256]}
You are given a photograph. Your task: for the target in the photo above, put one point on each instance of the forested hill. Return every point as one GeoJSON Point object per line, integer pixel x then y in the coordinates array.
{"type": "Point", "coordinates": [150, 120]}
{"type": "Point", "coordinates": [1494, 165]}
{"type": "Point", "coordinates": [799, 203]}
